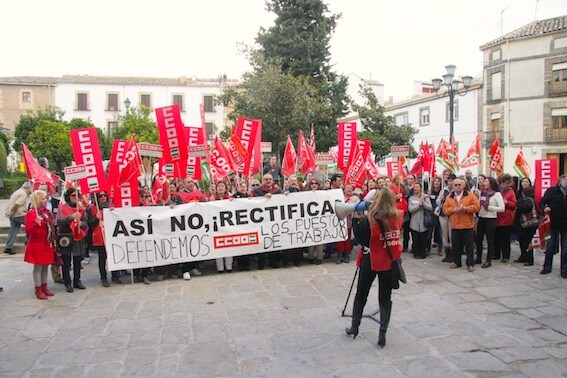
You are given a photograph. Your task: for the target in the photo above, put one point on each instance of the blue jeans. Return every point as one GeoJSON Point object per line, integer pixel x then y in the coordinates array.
{"type": "Point", "coordinates": [548, 263]}
{"type": "Point", "coordinates": [15, 224]}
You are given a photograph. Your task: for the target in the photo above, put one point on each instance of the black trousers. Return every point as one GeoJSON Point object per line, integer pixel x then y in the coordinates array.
{"type": "Point", "coordinates": [102, 263]}
{"type": "Point", "coordinates": [66, 269]}
{"type": "Point", "coordinates": [406, 229]}
{"type": "Point", "coordinates": [463, 241]}
{"type": "Point", "coordinates": [502, 242]}
{"type": "Point", "coordinates": [485, 226]}
{"type": "Point", "coordinates": [525, 236]}
{"type": "Point", "coordinates": [420, 242]}
{"type": "Point", "coordinates": [365, 278]}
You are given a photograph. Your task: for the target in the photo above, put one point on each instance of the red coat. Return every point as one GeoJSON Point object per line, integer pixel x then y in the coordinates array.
{"type": "Point", "coordinates": [506, 218]}
{"type": "Point", "coordinates": [379, 257]}
{"type": "Point", "coordinates": [401, 203]}
{"type": "Point", "coordinates": [39, 249]}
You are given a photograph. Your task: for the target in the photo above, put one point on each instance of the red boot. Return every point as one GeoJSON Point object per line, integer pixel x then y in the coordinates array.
{"type": "Point", "coordinates": [46, 291]}
{"type": "Point", "coordinates": [39, 293]}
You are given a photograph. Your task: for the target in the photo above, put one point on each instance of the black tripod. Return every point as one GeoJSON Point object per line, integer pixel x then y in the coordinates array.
{"type": "Point", "coordinates": [371, 315]}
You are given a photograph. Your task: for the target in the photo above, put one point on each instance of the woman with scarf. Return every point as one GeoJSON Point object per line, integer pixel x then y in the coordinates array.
{"type": "Point", "coordinates": [39, 248]}
{"type": "Point", "coordinates": [72, 222]}
{"type": "Point", "coordinates": [491, 203]}
{"type": "Point", "coordinates": [379, 232]}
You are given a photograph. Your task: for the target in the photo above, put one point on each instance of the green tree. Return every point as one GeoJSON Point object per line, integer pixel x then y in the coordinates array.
{"type": "Point", "coordinates": [299, 41]}
{"type": "Point", "coordinates": [137, 122]}
{"type": "Point", "coordinates": [380, 129]}
{"type": "Point", "coordinates": [285, 103]}
{"type": "Point", "coordinates": [51, 139]}
{"type": "Point", "coordinates": [5, 141]}
{"type": "Point", "coordinates": [3, 160]}
{"type": "Point", "coordinates": [103, 141]}
{"type": "Point", "coordinates": [28, 122]}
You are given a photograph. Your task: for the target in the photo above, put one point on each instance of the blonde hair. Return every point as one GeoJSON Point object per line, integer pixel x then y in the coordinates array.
{"type": "Point", "coordinates": [36, 197]}
{"type": "Point", "coordinates": [383, 207]}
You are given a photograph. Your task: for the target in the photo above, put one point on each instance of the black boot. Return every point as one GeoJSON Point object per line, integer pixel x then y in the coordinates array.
{"type": "Point", "coordinates": [339, 258]}
{"type": "Point", "coordinates": [357, 309]}
{"type": "Point", "coordinates": [385, 313]}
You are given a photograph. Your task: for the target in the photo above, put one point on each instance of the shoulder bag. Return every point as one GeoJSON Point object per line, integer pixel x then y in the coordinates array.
{"type": "Point", "coordinates": [530, 219]}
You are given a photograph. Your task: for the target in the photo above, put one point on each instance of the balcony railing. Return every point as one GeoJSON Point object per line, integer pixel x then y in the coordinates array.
{"type": "Point", "coordinates": [555, 135]}
{"type": "Point", "coordinates": [555, 89]}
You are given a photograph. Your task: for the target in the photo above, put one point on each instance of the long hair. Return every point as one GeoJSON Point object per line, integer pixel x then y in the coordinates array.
{"type": "Point", "coordinates": [37, 195]}
{"type": "Point", "coordinates": [383, 207]}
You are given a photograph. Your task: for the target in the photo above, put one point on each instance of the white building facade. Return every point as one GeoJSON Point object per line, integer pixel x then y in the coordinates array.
{"type": "Point", "coordinates": [103, 99]}
{"type": "Point", "coordinates": [430, 115]}
{"type": "Point", "coordinates": [525, 72]}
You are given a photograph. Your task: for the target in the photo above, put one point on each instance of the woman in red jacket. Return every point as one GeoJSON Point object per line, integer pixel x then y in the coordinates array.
{"type": "Point", "coordinates": [383, 218]}
{"type": "Point", "coordinates": [39, 248]}
{"type": "Point", "coordinates": [505, 219]}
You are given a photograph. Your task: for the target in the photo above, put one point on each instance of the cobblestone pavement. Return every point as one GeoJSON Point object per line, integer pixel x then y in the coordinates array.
{"type": "Point", "coordinates": [504, 321]}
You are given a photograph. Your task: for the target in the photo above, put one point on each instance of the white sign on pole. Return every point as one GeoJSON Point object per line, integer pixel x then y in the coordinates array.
{"type": "Point", "coordinates": [148, 149]}
{"type": "Point", "coordinates": [152, 236]}
{"type": "Point", "coordinates": [398, 151]}
{"type": "Point", "coordinates": [323, 159]}
{"type": "Point", "coordinates": [198, 150]}
{"type": "Point", "coordinates": [75, 172]}
{"type": "Point", "coordinates": [265, 147]}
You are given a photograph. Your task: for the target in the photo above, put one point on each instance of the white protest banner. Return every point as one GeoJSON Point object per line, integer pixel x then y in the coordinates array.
{"type": "Point", "coordinates": [75, 172]}
{"type": "Point", "coordinates": [152, 236]}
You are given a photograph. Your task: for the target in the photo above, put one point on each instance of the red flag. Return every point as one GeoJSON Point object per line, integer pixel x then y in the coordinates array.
{"type": "Point", "coordinates": [403, 166]}
{"type": "Point", "coordinates": [442, 155]}
{"type": "Point", "coordinates": [237, 151]}
{"type": "Point", "coordinates": [160, 189]}
{"type": "Point", "coordinates": [454, 154]}
{"type": "Point", "coordinates": [248, 132]}
{"type": "Point", "coordinates": [521, 165]}
{"type": "Point", "coordinates": [495, 157]}
{"type": "Point", "coordinates": [289, 159]}
{"type": "Point", "coordinates": [347, 138]}
{"type": "Point", "coordinates": [130, 166]}
{"type": "Point", "coordinates": [306, 155]}
{"type": "Point", "coordinates": [312, 139]}
{"type": "Point", "coordinates": [355, 174]}
{"type": "Point", "coordinates": [86, 150]}
{"type": "Point", "coordinates": [172, 138]}
{"type": "Point", "coordinates": [36, 172]}
{"type": "Point", "coordinates": [417, 168]}
{"type": "Point", "coordinates": [473, 155]}
{"type": "Point", "coordinates": [219, 161]}
{"type": "Point", "coordinates": [194, 137]}
{"type": "Point", "coordinates": [371, 168]}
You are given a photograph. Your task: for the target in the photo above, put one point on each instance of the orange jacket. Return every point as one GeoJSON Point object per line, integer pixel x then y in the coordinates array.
{"type": "Point", "coordinates": [461, 220]}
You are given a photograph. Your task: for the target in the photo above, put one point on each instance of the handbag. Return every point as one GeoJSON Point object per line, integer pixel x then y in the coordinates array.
{"type": "Point", "coordinates": [397, 271]}
{"type": "Point", "coordinates": [530, 219]}
{"type": "Point", "coordinates": [428, 218]}
{"type": "Point", "coordinates": [64, 240]}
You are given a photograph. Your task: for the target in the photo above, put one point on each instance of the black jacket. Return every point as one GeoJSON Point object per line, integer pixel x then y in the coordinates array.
{"type": "Point", "coordinates": [557, 202]}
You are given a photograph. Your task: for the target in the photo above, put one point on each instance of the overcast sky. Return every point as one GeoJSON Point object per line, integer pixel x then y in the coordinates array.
{"type": "Point", "coordinates": [392, 41]}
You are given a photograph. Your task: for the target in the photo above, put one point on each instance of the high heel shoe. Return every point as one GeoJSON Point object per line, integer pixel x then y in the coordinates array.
{"type": "Point", "coordinates": [352, 331]}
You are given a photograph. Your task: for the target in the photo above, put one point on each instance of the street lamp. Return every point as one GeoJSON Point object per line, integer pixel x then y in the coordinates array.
{"type": "Point", "coordinates": [451, 87]}
{"type": "Point", "coordinates": [127, 104]}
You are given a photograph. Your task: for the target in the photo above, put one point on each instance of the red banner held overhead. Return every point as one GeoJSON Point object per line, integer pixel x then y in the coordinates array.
{"type": "Point", "coordinates": [86, 150]}
{"type": "Point", "coordinates": [195, 137]}
{"type": "Point", "coordinates": [347, 138]}
{"type": "Point", "coordinates": [249, 132]}
{"type": "Point", "coordinates": [173, 140]}
{"type": "Point", "coordinates": [393, 168]}
{"type": "Point", "coordinates": [127, 193]}
{"type": "Point", "coordinates": [547, 173]}
{"type": "Point", "coordinates": [289, 162]}
{"type": "Point", "coordinates": [371, 168]}
{"type": "Point", "coordinates": [356, 172]}
{"type": "Point", "coordinates": [219, 161]}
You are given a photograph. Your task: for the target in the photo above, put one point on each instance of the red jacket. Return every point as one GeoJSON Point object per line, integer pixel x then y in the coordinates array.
{"type": "Point", "coordinates": [401, 203]}
{"type": "Point", "coordinates": [506, 218]}
{"type": "Point", "coordinates": [379, 257]}
{"type": "Point", "coordinates": [39, 249]}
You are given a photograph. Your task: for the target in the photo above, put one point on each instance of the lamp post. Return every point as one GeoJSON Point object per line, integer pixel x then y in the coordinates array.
{"type": "Point", "coordinates": [452, 87]}
{"type": "Point", "coordinates": [127, 104]}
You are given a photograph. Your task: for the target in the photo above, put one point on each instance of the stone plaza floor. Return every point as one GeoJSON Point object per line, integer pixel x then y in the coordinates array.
{"type": "Point", "coordinates": [504, 321]}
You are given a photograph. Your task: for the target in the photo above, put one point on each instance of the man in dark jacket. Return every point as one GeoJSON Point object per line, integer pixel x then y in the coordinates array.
{"type": "Point", "coordinates": [555, 201]}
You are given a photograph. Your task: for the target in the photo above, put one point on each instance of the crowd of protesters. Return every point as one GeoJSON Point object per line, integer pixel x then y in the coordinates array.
{"type": "Point", "coordinates": [475, 216]}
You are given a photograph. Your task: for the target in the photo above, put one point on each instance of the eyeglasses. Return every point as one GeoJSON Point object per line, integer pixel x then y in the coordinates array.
{"type": "Point", "coordinates": [255, 185]}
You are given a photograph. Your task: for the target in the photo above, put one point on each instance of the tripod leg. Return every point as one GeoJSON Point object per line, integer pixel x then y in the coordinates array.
{"type": "Point", "coordinates": [350, 291]}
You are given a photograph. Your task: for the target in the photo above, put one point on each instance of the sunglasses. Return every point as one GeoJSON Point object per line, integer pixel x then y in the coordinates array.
{"type": "Point", "coordinates": [72, 195]}
{"type": "Point", "coordinates": [101, 195]}
{"type": "Point", "coordinates": [255, 185]}
{"type": "Point", "coordinates": [314, 183]}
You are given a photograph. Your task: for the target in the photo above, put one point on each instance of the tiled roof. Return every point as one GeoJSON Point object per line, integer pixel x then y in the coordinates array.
{"type": "Point", "coordinates": [137, 80]}
{"type": "Point", "coordinates": [111, 80]}
{"type": "Point", "coordinates": [533, 29]}
{"type": "Point", "coordinates": [28, 80]}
